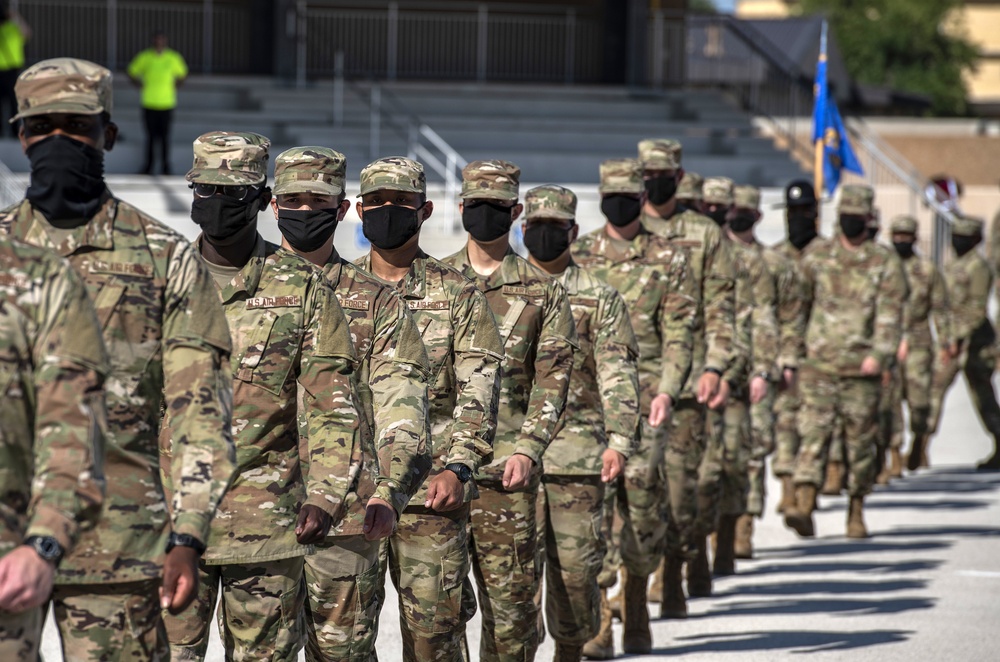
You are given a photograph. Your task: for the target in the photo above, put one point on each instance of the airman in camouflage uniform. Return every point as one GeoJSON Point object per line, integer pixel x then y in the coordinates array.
{"type": "Point", "coordinates": [802, 219]}
{"type": "Point", "coordinates": [169, 348]}
{"type": "Point", "coordinates": [342, 576]}
{"type": "Point", "coordinates": [968, 279]}
{"type": "Point", "coordinates": [52, 371]}
{"type": "Point", "coordinates": [689, 191]}
{"type": "Point", "coordinates": [293, 358]}
{"type": "Point", "coordinates": [714, 277]}
{"type": "Point", "coordinates": [428, 555]}
{"type": "Point", "coordinates": [928, 302]}
{"type": "Point", "coordinates": [655, 278]}
{"type": "Point", "coordinates": [535, 321]}
{"type": "Point", "coordinates": [597, 432]}
{"type": "Point", "coordinates": [856, 308]}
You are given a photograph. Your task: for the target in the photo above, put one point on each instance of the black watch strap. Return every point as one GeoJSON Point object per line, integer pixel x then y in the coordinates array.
{"type": "Point", "coordinates": [185, 540]}
{"type": "Point", "coordinates": [46, 547]}
{"type": "Point", "coordinates": [463, 472]}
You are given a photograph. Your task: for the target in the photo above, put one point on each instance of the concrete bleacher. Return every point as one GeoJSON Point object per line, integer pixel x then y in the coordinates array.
{"type": "Point", "coordinates": [555, 133]}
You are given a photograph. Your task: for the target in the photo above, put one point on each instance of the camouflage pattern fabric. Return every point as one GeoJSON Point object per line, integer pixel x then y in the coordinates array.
{"type": "Point", "coordinates": [318, 170]}
{"type": "Point", "coordinates": [723, 479]}
{"type": "Point", "coordinates": [498, 180]}
{"type": "Point", "coordinates": [169, 347]}
{"type": "Point", "coordinates": [550, 201]}
{"type": "Point", "coordinates": [289, 336]}
{"type": "Point", "coordinates": [660, 154]}
{"type": "Point", "coordinates": [395, 173]}
{"type": "Point", "coordinates": [52, 371]}
{"type": "Point", "coordinates": [428, 555]}
{"type": "Point", "coordinates": [762, 445]}
{"type": "Point", "coordinates": [535, 321]}
{"type": "Point", "coordinates": [856, 199]}
{"type": "Point", "coordinates": [229, 158]}
{"type": "Point", "coordinates": [63, 85]}
{"type": "Point", "coordinates": [122, 619]}
{"type": "Point", "coordinates": [968, 280]}
{"type": "Point", "coordinates": [690, 187]}
{"type": "Point", "coordinates": [264, 602]}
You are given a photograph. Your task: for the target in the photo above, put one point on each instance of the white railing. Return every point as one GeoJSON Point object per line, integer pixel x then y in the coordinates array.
{"type": "Point", "coordinates": [12, 187]}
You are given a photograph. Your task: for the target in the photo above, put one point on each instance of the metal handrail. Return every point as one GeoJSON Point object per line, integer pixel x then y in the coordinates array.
{"type": "Point", "coordinates": [12, 187]}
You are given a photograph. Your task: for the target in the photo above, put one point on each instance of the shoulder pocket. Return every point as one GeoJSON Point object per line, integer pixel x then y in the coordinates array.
{"type": "Point", "coordinates": [266, 357]}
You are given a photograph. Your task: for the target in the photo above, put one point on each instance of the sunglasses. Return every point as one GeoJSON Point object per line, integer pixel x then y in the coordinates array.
{"type": "Point", "coordinates": [234, 191]}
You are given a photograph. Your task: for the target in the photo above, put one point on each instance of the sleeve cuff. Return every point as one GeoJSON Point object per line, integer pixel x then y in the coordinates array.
{"type": "Point", "coordinates": [621, 443]}
{"type": "Point", "coordinates": [395, 497]}
{"type": "Point", "coordinates": [530, 450]}
{"type": "Point", "coordinates": [51, 523]}
{"type": "Point", "coordinates": [332, 507]}
{"type": "Point", "coordinates": [193, 524]}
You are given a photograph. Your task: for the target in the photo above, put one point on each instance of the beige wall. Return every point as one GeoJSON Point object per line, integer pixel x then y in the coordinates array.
{"type": "Point", "coordinates": [763, 8]}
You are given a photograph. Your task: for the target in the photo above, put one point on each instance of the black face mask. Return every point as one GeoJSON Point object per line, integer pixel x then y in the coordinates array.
{"type": "Point", "coordinates": [661, 189]}
{"type": "Point", "coordinates": [224, 219]}
{"type": "Point", "coordinates": [620, 210]}
{"type": "Point", "coordinates": [67, 178]}
{"type": "Point", "coordinates": [853, 226]}
{"type": "Point", "coordinates": [486, 221]}
{"type": "Point", "coordinates": [742, 221]}
{"type": "Point", "coordinates": [801, 225]}
{"type": "Point", "coordinates": [307, 230]}
{"type": "Point", "coordinates": [546, 241]}
{"type": "Point", "coordinates": [963, 245]}
{"type": "Point", "coordinates": [904, 249]}
{"type": "Point", "coordinates": [718, 215]}
{"type": "Point", "coordinates": [872, 233]}
{"type": "Point", "coordinates": [390, 226]}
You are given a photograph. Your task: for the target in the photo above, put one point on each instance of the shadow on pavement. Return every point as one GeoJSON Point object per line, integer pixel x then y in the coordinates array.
{"type": "Point", "coordinates": [796, 641]}
{"type": "Point", "coordinates": [822, 606]}
{"type": "Point", "coordinates": [826, 586]}
{"type": "Point", "coordinates": [843, 566]}
{"type": "Point", "coordinates": [821, 548]}
{"type": "Point", "coordinates": [944, 504]}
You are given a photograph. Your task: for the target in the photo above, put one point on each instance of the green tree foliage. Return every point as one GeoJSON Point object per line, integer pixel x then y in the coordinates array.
{"type": "Point", "coordinates": [904, 44]}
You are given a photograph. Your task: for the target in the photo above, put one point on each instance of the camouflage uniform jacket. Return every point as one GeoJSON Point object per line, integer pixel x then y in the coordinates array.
{"type": "Point", "coordinates": [52, 370]}
{"type": "Point", "coordinates": [968, 280]}
{"type": "Point", "coordinates": [536, 327]}
{"type": "Point", "coordinates": [169, 348]}
{"type": "Point", "coordinates": [788, 305]}
{"type": "Point", "coordinates": [290, 338]}
{"type": "Point", "coordinates": [655, 279]}
{"type": "Point", "coordinates": [757, 337]}
{"type": "Point", "coordinates": [714, 276]}
{"type": "Point", "coordinates": [797, 292]}
{"type": "Point", "coordinates": [465, 354]}
{"type": "Point", "coordinates": [928, 301]}
{"type": "Point", "coordinates": [392, 374]}
{"type": "Point", "coordinates": [603, 406]}
{"type": "Point", "coordinates": [856, 300]}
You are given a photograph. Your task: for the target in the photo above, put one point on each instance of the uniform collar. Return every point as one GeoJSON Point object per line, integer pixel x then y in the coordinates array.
{"type": "Point", "coordinates": [247, 280]}
{"type": "Point", "coordinates": [508, 273]}
{"type": "Point", "coordinates": [31, 226]}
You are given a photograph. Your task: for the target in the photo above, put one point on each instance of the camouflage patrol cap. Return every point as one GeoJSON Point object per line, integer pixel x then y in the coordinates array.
{"type": "Point", "coordinates": [63, 85]}
{"type": "Point", "coordinates": [967, 226]}
{"type": "Point", "coordinates": [746, 197]}
{"type": "Point", "coordinates": [229, 158]}
{"type": "Point", "coordinates": [319, 170]}
{"type": "Point", "coordinates": [660, 154]}
{"type": "Point", "coordinates": [904, 225]}
{"type": "Point", "coordinates": [496, 180]}
{"type": "Point", "coordinates": [690, 187]}
{"type": "Point", "coordinates": [550, 201]}
{"type": "Point", "coordinates": [393, 173]}
{"type": "Point", "coordinates": [717, 191]}
{"type": "Point", "coordinates": [621, 176]}
{"type": "Point", "coordinates": [856, 199]}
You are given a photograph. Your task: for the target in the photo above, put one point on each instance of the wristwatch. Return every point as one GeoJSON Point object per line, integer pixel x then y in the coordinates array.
{"type": "Point", "coordinates": [463, 472]}
{"type": "Point", "coordinates": [185, 540]}
{"type": "Point", "coordinates": [763, 374]}
{"type": "Point", "coordinates": [47, 547]}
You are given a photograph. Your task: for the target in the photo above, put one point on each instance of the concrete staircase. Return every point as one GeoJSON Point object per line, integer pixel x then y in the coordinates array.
{"type": "Point", "coordinates": [553, 133]}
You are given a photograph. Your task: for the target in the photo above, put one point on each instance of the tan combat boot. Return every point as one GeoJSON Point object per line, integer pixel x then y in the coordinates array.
{"type": "Point", "coordinates": [568, 653]}
{"type": "Point", "coordinates": [724, 563]}
{"type": "Point", "coordinates": [698, 575]}
{"type": "Point", "coordinates": [674, 603]}
{"type": "Point", "coordinates": [855, 519]}
{"type": "Point", "coordinates": [787, 494]}
{"type": "Point", "coordinates": [743, 547]}
{"type": "Point", "coordinates": [883, 476]}
{"type": "Point", "coordinates": [834, 479]}
{"type": "Point", "coordinates": [602, 646]}
{"type": "Point", "coordinates": [637, 639]}
{"type": "Point", "coordinates": [656, 588]}
{"type": "Point", "coordinates": [800, 518]}
{"type": "Point", "coordinates": [896, 470]}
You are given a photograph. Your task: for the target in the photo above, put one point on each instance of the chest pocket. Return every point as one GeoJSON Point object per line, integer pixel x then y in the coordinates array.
{"type": "Point", "coordinates": [519, 329]}
{"type": "Point", "coordinates": [270, 349]}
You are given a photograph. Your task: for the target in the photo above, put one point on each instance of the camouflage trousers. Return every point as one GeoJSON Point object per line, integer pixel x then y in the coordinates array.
{"type": "Point", "coordinates": [260, 615]}
{"type": "Point", "coordinates": [342, 601]}
{"type": "Point", "coordinates": [978, 362]}
{"type": "Point", "coordinates": [786, 431]}
{"type": "Point", "coordinates": [913, 387]}
{"type": "Point", "coordinates": [428, 560]}
{"type": "Point", "coordinates": [685, 449]}
{"type": "Point", "coordinates": [569, 518]}
{"type": "Point", "coordinates": [21, 634]}
{"type": "Point", "coordinates": [722, 478]}
{"type": "Point", "coordinates": [762, 435]}
{"type": "Point", "coordinates": [100, 622]}
{"type": "Point", "coordinates": [825, 398]}
{"type": "Point", "coordinates": [644, 503]}
{"type": "Point", "coordinates": [887, 409]}
{"type": "Point", "coordinates": [503, 547]}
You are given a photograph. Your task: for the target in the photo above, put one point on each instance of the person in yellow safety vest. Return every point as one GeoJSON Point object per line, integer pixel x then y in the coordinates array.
{"type": "Point", "coordinates": [158, 71]}
{"type": "Point", "coordinates": [14, 33]}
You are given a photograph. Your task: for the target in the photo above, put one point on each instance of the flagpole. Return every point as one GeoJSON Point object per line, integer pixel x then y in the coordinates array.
{"type": "Point", "coordinates": [818, 160]}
